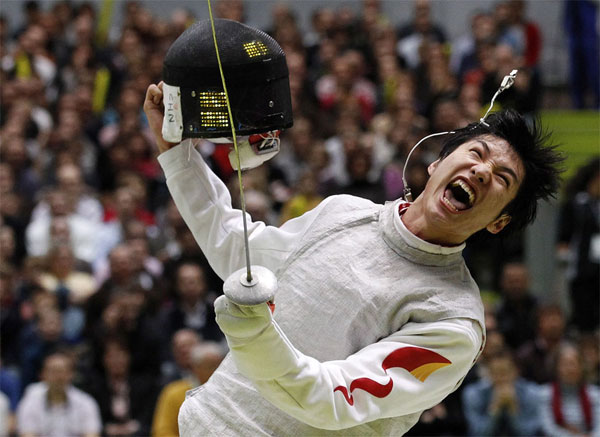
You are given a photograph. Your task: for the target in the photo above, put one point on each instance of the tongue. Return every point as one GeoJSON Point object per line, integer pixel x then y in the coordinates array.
{"type": "Point", "coordinates": [455, 202]}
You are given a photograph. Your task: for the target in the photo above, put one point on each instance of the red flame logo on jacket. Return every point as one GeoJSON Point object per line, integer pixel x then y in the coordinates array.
{"type": "Point", "coordinates": [418, 361]}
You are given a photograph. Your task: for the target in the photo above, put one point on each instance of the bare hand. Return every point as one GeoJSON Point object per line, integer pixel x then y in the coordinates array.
{"type": "Point", "coordinates": [153, 107]}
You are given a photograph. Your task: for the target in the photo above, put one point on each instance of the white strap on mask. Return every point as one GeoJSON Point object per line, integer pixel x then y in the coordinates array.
{"type": "Point", "coordinates": [172, 128]}
{"type": "Point", "coordinates": [253, 155]}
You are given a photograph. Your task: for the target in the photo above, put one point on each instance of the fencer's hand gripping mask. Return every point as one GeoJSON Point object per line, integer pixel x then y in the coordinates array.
{"type": "Point", "coordinates": [256, 76]}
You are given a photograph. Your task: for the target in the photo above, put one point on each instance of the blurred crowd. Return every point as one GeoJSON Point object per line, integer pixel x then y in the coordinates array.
{"type": "Point", "coordinates": [105, 297]}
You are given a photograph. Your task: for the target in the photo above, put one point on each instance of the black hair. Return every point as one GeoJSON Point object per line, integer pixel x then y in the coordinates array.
{"type": "Point", "coordinates": [540, 161]}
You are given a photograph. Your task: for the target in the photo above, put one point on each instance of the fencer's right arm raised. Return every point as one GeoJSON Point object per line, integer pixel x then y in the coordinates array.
{"type": "Point", "coordinates": [205, 204]}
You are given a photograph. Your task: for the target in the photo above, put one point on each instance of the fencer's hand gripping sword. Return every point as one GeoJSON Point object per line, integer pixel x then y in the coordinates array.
{"type": "Point", "coordinates": [507, 82]}
{"type": "Point", "coordinates": [251, 285]}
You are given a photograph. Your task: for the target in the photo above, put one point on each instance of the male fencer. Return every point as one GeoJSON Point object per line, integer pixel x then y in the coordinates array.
{"type": "Point", "coordinates": [377, 317]}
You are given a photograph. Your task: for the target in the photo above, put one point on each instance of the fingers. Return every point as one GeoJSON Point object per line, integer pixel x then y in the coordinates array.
{"type": "Point", "coordinates": [154, 94]}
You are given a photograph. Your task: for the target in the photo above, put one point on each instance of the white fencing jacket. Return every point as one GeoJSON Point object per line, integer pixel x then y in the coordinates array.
{"type": "Point", "coordinates": [373, 325]}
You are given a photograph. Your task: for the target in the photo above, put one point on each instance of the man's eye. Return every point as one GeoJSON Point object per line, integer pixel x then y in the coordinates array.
{"type": "Point", "coordinates": [477, 152]}
{"type": "Point", "coordinates": [505, 180]}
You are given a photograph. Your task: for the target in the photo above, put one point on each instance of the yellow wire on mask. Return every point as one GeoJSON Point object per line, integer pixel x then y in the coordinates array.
{"type": "Point", "coordinates": [235, 146]}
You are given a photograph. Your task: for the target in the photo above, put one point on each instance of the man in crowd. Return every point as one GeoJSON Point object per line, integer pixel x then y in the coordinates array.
{"type": "Point", "coordinates": [504, 405]}
{"type": "Point", "coordinates": [54, 407]}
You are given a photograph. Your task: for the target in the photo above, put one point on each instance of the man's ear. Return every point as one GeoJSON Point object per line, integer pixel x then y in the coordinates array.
{"type": "Point", "coordinates": [498, 224]}
{"type": "Point", "coordinates": [432, 166]}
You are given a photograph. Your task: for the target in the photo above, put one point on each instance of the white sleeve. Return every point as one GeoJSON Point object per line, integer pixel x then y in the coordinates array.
{"type": "Point", "coordinates": [92, 422]}
{"type": "Point", "coordinates": [407, 372]}
{"type": "Point", "coordinates": [29, 416]}
{"type": "Point", "coordinates": [205, 204]}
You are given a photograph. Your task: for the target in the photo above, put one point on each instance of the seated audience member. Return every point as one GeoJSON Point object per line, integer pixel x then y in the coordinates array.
{"type": "Point", "coordinates": [536, 358]}
{"type": "Point", "coordinates": [517, 311]}
{"type": "Point", "coordinates": [204, 359]}
{"type": "Point", "coordinates": [178, 366]}
{"type": "Point", "coordinates": [569, 406]}
{"type": "Point", "coordinates": [121, 276]}
{"type": "Point", "coordinates": [193, 306]}
{"type": "Point", "coordinates": [305, 198]}
{"type": "Point", "coordinates": [126, 400]}
{"type": "Point", "coordinates": [504, 405]}
{"type": "Point", "coordinates": [82, 231]}
{"type": "Point", "coordinates": [126, 315]}
{"type": "Point", "coordinates": [54, 407]}
{"type": "Point", "coordinates": [69, 178]}
{"type": "Point", "coordinates": [578, 229]}
{"type": "Point", "coordinates": [420, 28]}
{"type": "Point", "coordinates": [186, 250]}
{"type": "Point", "coordinates": [41, 337]}
{"type": "Point", "coordinates": [63, 277]}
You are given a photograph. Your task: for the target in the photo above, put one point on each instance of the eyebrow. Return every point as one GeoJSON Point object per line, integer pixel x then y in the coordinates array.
{"type": "Point", "coordinates": [503, 168]}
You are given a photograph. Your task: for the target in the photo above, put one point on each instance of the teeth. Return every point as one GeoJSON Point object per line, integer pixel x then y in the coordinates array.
{"type": "Point", "coordinates": [447, 202]}
{"type": "Point", "coordinates": [467, 189]}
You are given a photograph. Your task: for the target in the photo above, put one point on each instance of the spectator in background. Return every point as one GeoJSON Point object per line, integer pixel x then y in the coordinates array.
{"type": "Point", "coordinates": [230, 10]}
{"type": "Point", "coordinates": [41, 337]}
{"type": "Point", "coordinates": [358, 165]}
{"type": "Point", "coordinates": [62, 277]}
{"type": "Point", "coordinates": [185, 249]}
{"type": "Point", "coordinates": [260, 206]}
{"type": "Point", "coordinates": [70, 181]}
{"type": "Point", "coordinates": [531, 32]}
{"type": "Point", "coordinates": [464, 49]}
{"type": "Point", "coordinates": [148, 268]}
{"type": "Point", "coordinates": [525, 94]}
{"type": "Point", "coordinates": [305, 198]}
{"type": "Point", "coordinates": [54, 407]}
{"type": "Point", "coordinates": [80, 232]}
{"type": "Point", "coordinates": [517, 311]}
{"type": "Point", "coordinates": [127, 316]}
{"type": "Point", "coordinates": [570, 406]}
{"type": "Point", "coordinates": [126, 399]}
{"type": "Point", "coordinates": [12, 215]}
{"type": "Point", "coordinates": [508, 33]}
{"type": "Point", "coordinates": [346, 85]}
{"type": "Point", "coordinates": [295, 150]}
{"type": "Point", "coordinates": [193, 307]}
{"type": "Point", "coordinates": [71, 144]}
{"type": "Point", "coordinates": [178, 365]}
{"type": "Point", "coordinates": [537, 357]}
{"type": "Point", "coordinates": [204, 359]}
{"type": "Point", "coordinates": [26, 180]}
{"type": "Point", "coordinates": [579, 243]}
{"type": "Point", "coordinates": [506, 405]}
{"type": "Point", "coordinates": [419, 30]}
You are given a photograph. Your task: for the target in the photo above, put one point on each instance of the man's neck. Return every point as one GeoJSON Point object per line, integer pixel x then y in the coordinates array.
{"type": "Point", "coordinates": [416, 222]}
{"type": "Point", "coordinates": [57, 396]}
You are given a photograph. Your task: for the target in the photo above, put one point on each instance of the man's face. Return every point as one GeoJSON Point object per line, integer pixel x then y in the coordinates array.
{"type": "Point", "coordinates": [57, 372]}
{"type": "Point", "coordinates": [469, 188]}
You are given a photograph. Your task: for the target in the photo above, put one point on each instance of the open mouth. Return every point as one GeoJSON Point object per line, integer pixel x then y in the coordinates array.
{"type": "Point", "coordinates": [458, 196]}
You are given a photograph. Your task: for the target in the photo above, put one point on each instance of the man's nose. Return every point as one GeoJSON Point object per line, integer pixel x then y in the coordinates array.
{"type": "Point", "coordinates": [483, 172]}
